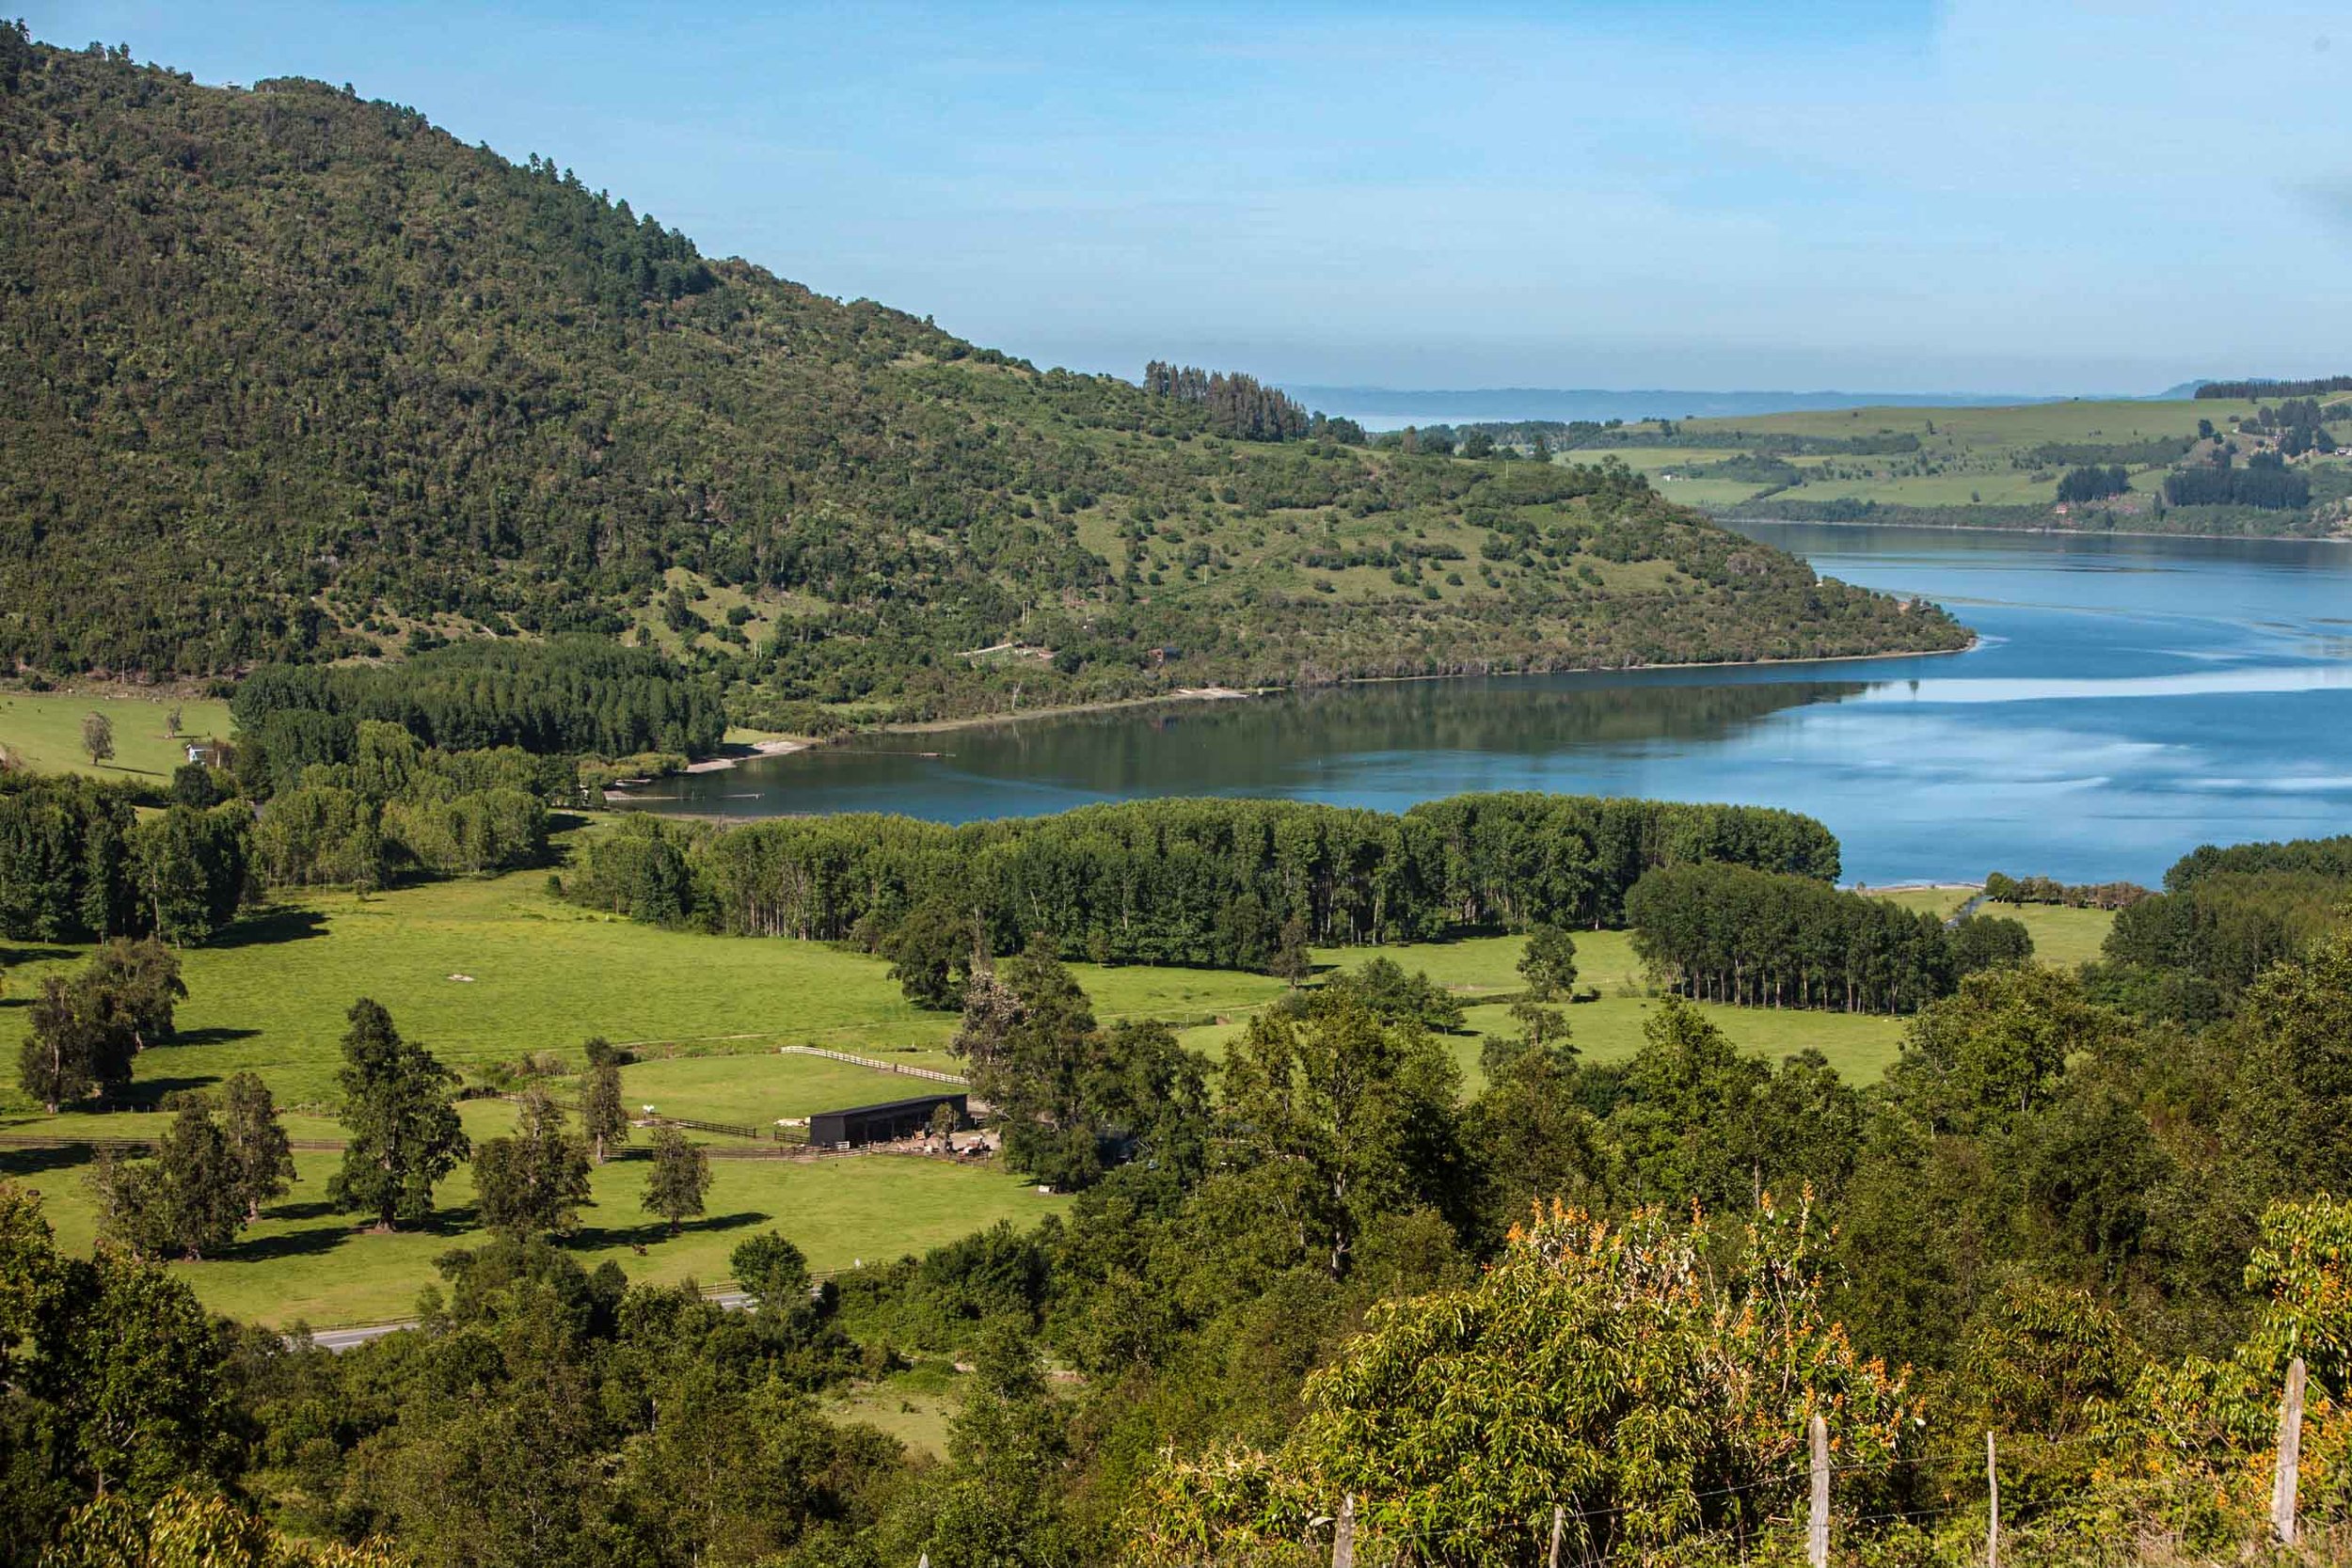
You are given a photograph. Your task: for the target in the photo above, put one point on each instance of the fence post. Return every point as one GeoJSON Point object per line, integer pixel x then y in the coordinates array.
{"type": "Point", "coordinates": [1343, 1534]}
{"type": "Point", "coordinates": [1558, 1516]}
{"type": "Point", "coordinates": [1816, 1534]}
{"type": "Point", "coordinates": [2282, 1486]}
{"type": "Point", "coordinates": [1992, 1503]}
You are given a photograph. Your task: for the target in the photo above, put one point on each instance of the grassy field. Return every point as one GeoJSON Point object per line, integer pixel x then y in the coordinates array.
{"type": "Point", "coordinates": [2060, 936]}
{"type": "Point", "coordinates": [1966, 456]}
{"type": "Point", "coordinates": [485, 971]}
{"type": "Point", "coordinates": [1608, 1029]}
{"type": "Point", "coordinates": [303, 1263]}
{"type": "Point", "coordinates": [43, 730]}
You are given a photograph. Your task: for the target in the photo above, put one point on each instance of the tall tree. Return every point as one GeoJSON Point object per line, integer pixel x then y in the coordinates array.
{"type": "Point", "coordinates": [679, 1177]}
{"type": "Point", "coordinates": [404, 1133]}
{"type": "Point", "coordinates": [536, 1179]}
{"type": "Point", "coordinates": [258, 1145]}
{"type": "Point", "coordinates": [98, 737]}
{"type": "Point", "coordinates": [1340, 1116]}
{"type": "Point", "coordinates": [602, 1116]}
{"type": "Point", "coordinates": [1548, 964]}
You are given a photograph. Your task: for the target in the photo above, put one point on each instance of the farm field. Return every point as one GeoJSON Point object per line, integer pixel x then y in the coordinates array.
{"type": "Point", "coordinates": [303, 1263]}
{"type": "Point", "coordinates": [2060, 936]}
{"type": "Point", "coordinates": [42, 730]}
{"type": "Point", "coordinates": [490, 971]}
{"type": "Point", "coordinates": [1964, 457]}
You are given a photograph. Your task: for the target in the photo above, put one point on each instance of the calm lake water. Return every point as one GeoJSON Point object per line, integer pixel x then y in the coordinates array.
{"type": "Point", "coordinates": [2129, 699]}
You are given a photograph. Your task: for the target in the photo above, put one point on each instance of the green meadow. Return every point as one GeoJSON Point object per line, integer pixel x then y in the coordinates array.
{"type": "Point", "coordinates": [42, 730]}
{"type": "Point", "coordinates": [1966, 457]}
{"type": "Point", "coordinates": [304, 1264]}
{"type": "Point", "coordinates": [488, 973]}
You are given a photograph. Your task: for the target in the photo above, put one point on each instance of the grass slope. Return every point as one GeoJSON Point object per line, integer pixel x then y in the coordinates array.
{"type": "Point", "coordinates": [43, 730]}
{"type": "Point", "coordinates": [1995, 466]}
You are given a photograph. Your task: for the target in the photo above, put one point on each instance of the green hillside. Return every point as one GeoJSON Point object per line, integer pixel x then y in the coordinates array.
{"type": "Point", "coordinates": [2005, 467]}
{"type": "Point", "coordinates": [286, 373]}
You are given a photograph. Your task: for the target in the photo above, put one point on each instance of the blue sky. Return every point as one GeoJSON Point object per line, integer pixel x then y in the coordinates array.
{"type": "Point", "coordinates": [1986, 195]}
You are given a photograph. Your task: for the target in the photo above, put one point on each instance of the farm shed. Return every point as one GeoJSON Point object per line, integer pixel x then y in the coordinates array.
{"type": "Point", "coordinates": [875, 1124]}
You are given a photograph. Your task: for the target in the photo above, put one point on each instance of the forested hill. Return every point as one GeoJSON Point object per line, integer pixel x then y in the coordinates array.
{"type": "Point", "coordinates": [285, 373]}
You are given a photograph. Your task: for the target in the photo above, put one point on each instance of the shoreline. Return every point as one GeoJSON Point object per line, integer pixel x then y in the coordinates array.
{"type": "Point", "coordinates": [1728, 519]}
{"type": "Point", "coordinates": [1229, 694]}
{"type": "Point", "coordinates": [779, 746]}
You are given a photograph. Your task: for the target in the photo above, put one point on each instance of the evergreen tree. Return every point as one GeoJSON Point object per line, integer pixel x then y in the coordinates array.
{"type": "Point", "coordinates": [404, 1133]}
{"type": "Point", "coordinates": [602, 1116]}
{"type": "Point", "coordinates": [679, 1177]}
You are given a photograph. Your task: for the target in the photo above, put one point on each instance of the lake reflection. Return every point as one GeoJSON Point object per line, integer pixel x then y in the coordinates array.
{"type": "Point", "coordinates": [2130, 699]}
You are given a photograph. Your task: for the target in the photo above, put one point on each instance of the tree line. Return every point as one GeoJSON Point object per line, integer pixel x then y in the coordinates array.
{"type": "Point", "coordinates": [2001, 888]}
{"type": "Point", "coordinates": [76, 864]}
{"type": "Point", "coordinates": [2090, 484]}
{"type": "Point", "coordinates": [1243, 407]}
{"type": "Point", "coordinates": [569, 695]}
{"type": "Point", "coordinates": [1728, 933]}
{"type": "Point", "coordinates": [390, 806]}
{"type": "Point", "coordinates": [1214, 882]}
{"type": "Point", "coordinates": [2238, 390]}
{"type": "Point", "coordinates": [2264, 484]}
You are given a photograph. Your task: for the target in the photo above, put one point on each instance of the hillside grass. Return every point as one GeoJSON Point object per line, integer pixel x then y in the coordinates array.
{"type": "Point", "coordinates": [42, 731]}
{"type": "Point", "coordinates": [1967, 456]}
{"type": "Point", "coordinates": [304, 1263]}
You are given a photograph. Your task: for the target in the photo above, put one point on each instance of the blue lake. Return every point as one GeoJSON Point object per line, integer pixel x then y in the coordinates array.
{"type": "Point", "coordinates": [2128, 700]}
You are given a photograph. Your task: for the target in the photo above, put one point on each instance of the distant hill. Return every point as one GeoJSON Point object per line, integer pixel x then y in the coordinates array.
{"type": "Point", "coordinates": [1390, 407]}
{"type": "Point", "coordinates": [286, 373]}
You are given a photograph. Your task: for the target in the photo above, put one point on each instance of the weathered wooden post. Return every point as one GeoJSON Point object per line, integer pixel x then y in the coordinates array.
{"type": "Point", "coordinates": [1559, 1516]}
{"type": "Point", "coordinates": [2283, 1481]}
{"type": "Point", "coordinates": [1817, 1535]}
{"type": "Point", "coordinates": [1343, 1534]}
{"type": "Point", "coordinates": [1993, 1501]}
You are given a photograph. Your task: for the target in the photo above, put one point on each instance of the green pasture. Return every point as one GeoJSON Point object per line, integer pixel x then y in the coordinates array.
{"type": "Point", "coordinates": [1942, 902]}
{"type": "Point", "coordinates": [2076, 420]}
{"type": "Point", "coordinates": [2060, 936]}
{"type": "Point", "coordinates": [42, 730]}
{"type": "Point", "coordinates": [304, 1264]}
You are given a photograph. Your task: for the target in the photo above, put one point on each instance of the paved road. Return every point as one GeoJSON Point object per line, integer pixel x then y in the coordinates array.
{"type": "Point", "coordinates": [342, 1339]}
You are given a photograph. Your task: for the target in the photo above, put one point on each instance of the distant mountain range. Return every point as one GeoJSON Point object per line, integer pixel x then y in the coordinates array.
{"type": "Point", "coordinates": [1391, 407]}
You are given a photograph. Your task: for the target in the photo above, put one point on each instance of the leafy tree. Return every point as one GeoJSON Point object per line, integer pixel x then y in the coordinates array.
{"type": "Point", "coordinates": [772, 1270]}
{"type": "Point", "coordinates": [1996, 1049]}
{"type": "Point", "coordinates": [75, 1044]}
{"type": "Point", "coordinates": [98, 737]}
{"type": "Point", "coordinates": [536, 1179]}
{"type": "Point", "coordinates": [602, 1116]}
{"type": "Point", "coordinates": [259, 1150]}
{"type": "Point", "coordinates": [404, 1133]}
{"type": "Point", "coordinates": [138, 984]}
{"type": "Point", "coordinates": [1548, 964]}
{"type": "Point", "coordinates": [679, 1177]}
{"type": "Point", "coordinates": [1381, 987]}
{"type": "Point", "coordinates": [185, 1200]}
{"type": "Point", "coordinates": [1338, 1117]}
{"type": "Point", "coordinates": [1671, 1404]}
{"type": "Point", "coordinates": [1988, 941]}
{"type": "Point", "coordinates": [930, 955]}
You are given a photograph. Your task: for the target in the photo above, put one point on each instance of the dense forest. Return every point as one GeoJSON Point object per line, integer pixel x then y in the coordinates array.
{"type": "Point", "coordinates": [1214, 882]}
{"type": "Point", "coordinates": [1596, 1303]}
{"type": "Point", "coordinates": [288, 375]}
